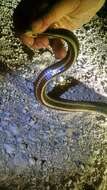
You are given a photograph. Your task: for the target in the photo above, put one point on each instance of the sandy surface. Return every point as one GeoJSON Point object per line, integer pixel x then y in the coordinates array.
{"type": "Point", "coordinates": [42, 148]}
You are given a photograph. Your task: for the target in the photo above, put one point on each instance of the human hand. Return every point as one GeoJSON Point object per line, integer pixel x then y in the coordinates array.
{"type": "Point", "coordinates": [69, 14]}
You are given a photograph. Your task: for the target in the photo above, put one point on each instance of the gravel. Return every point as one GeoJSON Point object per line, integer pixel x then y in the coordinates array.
{"type": "Point", "coordinates": [42, 148]}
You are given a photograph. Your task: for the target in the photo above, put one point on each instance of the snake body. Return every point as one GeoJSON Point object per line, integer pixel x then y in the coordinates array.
{"type": "Point", "coordinates": [40, 85]}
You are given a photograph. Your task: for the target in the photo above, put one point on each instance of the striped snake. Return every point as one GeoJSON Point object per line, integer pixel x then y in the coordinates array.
{"type": "Point", "coordinates": [40, 85]}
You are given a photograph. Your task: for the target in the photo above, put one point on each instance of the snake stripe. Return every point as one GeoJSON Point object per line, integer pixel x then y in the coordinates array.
{"type": "Point", "coordinates": [41, 83]}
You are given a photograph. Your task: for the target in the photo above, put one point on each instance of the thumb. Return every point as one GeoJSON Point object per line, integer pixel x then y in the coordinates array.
{"type": "Point", "coordinates": [55, 14]}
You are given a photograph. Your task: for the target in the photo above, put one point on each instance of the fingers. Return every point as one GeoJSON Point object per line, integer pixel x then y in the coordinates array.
{"type": "Point", "coordinates": [27, 40]}
{"type": "Point", "coordinates": [40, 42]}
{"type": "Point", "coordinates": [58, 48]}
{"type": "Point", "coordinates": [55, 14]}
{"type": "Point", "coordinates": [43, 42]}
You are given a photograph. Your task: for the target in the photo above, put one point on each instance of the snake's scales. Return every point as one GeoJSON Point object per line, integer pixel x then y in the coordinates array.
{"type": "Point", "coordinates": [46, 75]}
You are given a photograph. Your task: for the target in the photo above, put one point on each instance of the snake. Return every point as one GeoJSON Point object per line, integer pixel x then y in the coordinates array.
{"type": "Point", "coordinates": [46, 76]}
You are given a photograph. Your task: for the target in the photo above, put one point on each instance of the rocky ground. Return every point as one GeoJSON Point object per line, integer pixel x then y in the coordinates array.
{"type": "Point", "coordinates": [42, 148]}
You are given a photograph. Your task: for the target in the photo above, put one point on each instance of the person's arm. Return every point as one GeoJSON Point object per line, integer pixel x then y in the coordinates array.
{"type": "Point", "coordinates": [84, 12]}
{"type": "Point", "coordinates": [75, 12]}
